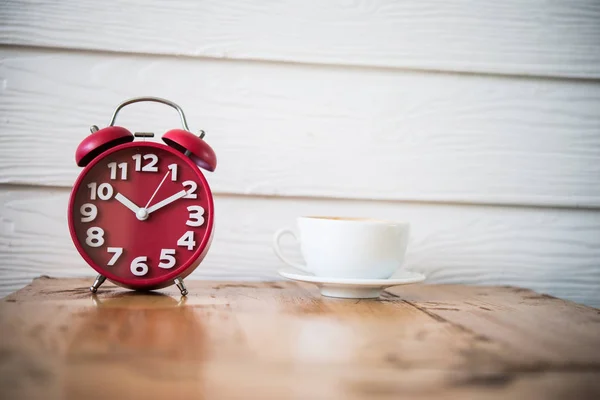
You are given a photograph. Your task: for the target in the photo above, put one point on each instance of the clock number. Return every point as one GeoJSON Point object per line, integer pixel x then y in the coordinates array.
{"type": "Point", "coordinates": [113, 170]}
{"type": "Point", "coordinates": [196, 217]}
{"type": "Point", "coordinates": [88, 212]}
{"type": "Point", "coordinates": [192, 188]}
{"type": "Point", "coordinates": [166, 258]}
{"type": "Point", "coordinates": [173, 168]}
{"type": "Point", "coordinates": [187, 240]}
{"type": "Point", "coordinates": [104, 191]}
{"type": "Point", "coordinates": [93, 186]}
{"type": "Point", "coordinates": [138, 266]}
{"type": "Point", "coordinates": [95, 237]}
{"type": "Point", "coordinates": [117, 251]}
{"type": "Point", "coordinates": [150, 167]}
{"type": "Point", "coordinates": [138, 162]}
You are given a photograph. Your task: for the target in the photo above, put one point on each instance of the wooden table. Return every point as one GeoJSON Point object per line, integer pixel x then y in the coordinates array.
{"type": "Point", "coordinates": [282, 340]}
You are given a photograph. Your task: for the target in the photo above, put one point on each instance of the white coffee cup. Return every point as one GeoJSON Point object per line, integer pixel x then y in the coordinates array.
{"type": "Point", "coordinates": [338, 247]}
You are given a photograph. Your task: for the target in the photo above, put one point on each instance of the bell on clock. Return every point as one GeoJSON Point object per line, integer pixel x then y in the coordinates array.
{"type": "Point", "coordinates": [141, 213]}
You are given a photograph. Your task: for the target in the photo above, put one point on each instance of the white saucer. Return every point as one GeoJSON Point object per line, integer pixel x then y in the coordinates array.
{"type": "Point", "coordinates": [352, 288]}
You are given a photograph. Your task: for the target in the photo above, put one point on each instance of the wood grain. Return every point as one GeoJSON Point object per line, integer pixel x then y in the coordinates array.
{"type": "Point", "coordinates": [322, 132]}
{"type": "Point", "coordinates": [515, 315]}
{"type": "Point", "coordinates": [552, 251]}
{"type": "Point", "coordinates": [534, 37]}
{"type": "Point", "coordinates": [279, 340]}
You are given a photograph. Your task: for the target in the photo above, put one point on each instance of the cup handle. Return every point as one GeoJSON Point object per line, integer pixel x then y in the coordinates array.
{"type": "Point", "coordinates": [278, 252]}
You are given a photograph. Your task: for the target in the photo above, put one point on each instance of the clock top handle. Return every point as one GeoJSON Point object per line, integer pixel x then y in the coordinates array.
{"type": "Point", "coordinates": [155, 100]}
{"type": "Point", "coordinates": [181, 139]}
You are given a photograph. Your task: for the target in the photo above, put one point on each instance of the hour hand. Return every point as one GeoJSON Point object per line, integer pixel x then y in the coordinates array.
{"type": "Point", "coordinates": [127, 203]}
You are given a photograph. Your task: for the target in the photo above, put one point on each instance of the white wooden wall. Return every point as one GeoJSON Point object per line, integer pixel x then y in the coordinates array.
{"type": "Point", "coordinates": [477, 121]}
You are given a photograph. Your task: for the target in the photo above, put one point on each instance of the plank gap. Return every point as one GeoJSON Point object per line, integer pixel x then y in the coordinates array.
{"type": "Point", "coordinates": [296, 63]}
{"type": "Point", "coordinates": [26, 186]}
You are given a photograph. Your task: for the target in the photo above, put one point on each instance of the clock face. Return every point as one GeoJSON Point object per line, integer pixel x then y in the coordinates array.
{"type": "Point", "coordinates": [141, 214]}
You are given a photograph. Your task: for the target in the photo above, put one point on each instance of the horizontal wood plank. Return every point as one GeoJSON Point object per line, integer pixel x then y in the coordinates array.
{"type": "Point", "coordinates": [324, 132]}
{"type": "Point", "coordinates": [551, 251]}
{"type": "Point", "coordinates": [534, 37]}
{"type": "Point", "coordinates": [283, 340]}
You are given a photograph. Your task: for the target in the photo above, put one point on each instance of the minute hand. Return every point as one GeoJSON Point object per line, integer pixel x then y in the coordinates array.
{"type": "Point", "coordinates": [166, 201]}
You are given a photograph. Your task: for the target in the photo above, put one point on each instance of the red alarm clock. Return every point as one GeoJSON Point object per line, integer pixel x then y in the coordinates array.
{"type": "Point", "coordinates": [141, 213]}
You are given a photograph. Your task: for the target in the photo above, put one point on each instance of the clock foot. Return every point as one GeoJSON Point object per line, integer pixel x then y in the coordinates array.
{"type": "Point", "coordinates": [97, 283]}
{"type": "Point", "coordinates": [181, 286]}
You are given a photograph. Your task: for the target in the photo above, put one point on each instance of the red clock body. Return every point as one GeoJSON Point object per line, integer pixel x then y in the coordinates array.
{"type": "Point", "coordinates": [141, 214]}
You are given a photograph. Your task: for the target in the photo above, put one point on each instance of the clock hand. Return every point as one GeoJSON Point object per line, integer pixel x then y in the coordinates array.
{"type": "Point", "coordinates": [126, 202]}
{"type": "Point", "coordinates": [166, 201]}
{"type": "Point", "coordinates": [159, 185]}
